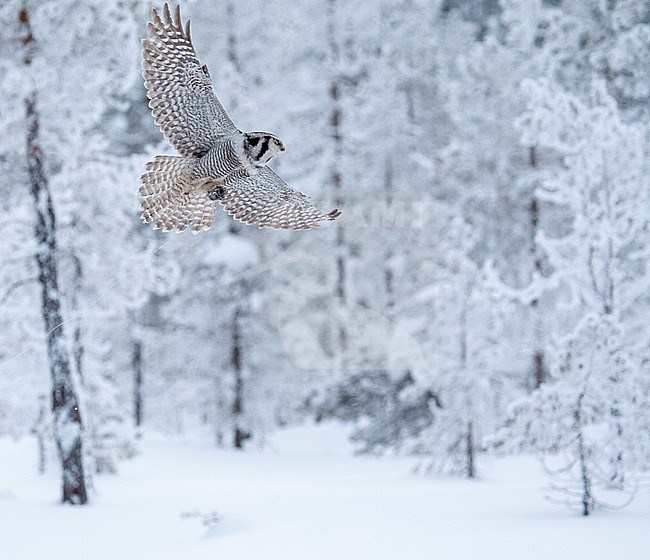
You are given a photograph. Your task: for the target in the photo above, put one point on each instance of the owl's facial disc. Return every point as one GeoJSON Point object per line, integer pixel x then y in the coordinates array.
{"type": "Point", "coordinates": [262, 146]}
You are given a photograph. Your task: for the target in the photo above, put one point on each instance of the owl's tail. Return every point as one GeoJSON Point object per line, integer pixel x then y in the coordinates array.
{"type": "Point", "coordinates": [170, 199]}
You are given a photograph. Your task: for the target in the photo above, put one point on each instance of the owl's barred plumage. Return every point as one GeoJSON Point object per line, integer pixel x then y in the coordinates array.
{"type": "Point", "coordinates": [217, 162]}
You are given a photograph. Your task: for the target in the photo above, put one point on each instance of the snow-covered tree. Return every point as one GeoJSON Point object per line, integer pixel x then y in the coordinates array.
{"type": "Point", "coordinates": [597, 393]}
{"type": "Point", "coordinates": [82, 205]}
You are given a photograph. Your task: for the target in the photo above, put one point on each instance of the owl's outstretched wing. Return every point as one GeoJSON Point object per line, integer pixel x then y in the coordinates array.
{"type": "Point", "coordinates": [179, 88]}
{"type": "Point", "coordinates": [264, 199]}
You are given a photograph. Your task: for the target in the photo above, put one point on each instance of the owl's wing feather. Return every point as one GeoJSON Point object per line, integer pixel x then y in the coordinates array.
{"type": "Point", "coordinates": [261, 197]}
{"type": "Point", "coordinates": [179, 88]}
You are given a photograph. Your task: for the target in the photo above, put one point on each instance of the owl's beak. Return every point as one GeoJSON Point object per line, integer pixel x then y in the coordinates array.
{"type": "Point", "coordinates": [282, 148]}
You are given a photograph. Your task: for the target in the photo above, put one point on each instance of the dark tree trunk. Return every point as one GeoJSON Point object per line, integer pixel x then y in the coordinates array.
{"type": "Point", "coordinates": [243, 287]}
{"type": "Point", "coordinates": [136, 362]}
{"type": "Point", "coordinates": [538, 333]}
{"type": "Point", "coordinates": [538, 362]}
{"type": "Point", "coordinates": [231, 51]}
{"type": "Point", "coordinates": [470, 470]}
{"type": "Point", "coordinates": [587, 499]}
{"type": "Point", "coordinates": [389, 275]}
{"type": "Point", "coordinates": [341, 342]}
{"type": "Point", "coordinates": [470, 448]}
{"type": "Point", "coordinates": [240, 435]}
{"type": "Point", "coordinates": [65, 408]}
{"type": "Point", "coordinates": [77, 342]}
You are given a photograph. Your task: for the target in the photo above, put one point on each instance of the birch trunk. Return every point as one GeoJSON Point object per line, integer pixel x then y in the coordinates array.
{"type": "Point", "coordinates": [65, 406]}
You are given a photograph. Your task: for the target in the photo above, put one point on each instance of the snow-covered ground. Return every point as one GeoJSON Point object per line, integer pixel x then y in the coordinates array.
{"type": "Point", "coordinates": [303, 498]}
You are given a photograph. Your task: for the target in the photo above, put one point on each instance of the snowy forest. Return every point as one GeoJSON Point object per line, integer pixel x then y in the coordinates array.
{"type": "Point", "coordinates": [483, 297]}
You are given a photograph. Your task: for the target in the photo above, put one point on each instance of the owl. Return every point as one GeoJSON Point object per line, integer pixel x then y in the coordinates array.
{"type": "Point", "coordinates": [217, 163]}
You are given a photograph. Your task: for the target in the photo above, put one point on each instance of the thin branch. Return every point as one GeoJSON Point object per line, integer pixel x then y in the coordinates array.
{"type": "Point", "coordinates": [15, 286]}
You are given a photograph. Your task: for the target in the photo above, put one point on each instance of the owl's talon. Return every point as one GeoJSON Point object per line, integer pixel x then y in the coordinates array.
{"type": "Point", "coordinates": [217, 194]}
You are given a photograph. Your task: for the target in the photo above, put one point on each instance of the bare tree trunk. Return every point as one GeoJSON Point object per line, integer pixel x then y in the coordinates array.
{"type": "Point", "coordinates": [538, 330]}
{"type": "Point", "coordinates": [340, 295]}
{"type": "Point", "coordinates": [77, 343]}
{"type": "Point", "coordinates": [389, 275]}
{"type": "Point", "coordinates": [65, 407]}
{"type": "Point", "coordinates": [470, 450]}
{"type": "Point", "coordinates": [231, 51]}
{"type": "Point", "coordinates": [243, 287]}
{"type": "Point", "coordinates": [136, 362]}
{"type": "Point", "coordinates": [585, 478]}
{"type": "Point", "coordinates": [240, 435]}
{"type": "Point", "coordinates": [470, 469]}
{"type": "Point", "coordinates": [67, 419]}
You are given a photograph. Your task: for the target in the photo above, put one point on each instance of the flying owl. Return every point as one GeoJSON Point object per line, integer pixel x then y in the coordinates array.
{"type": "Point", "coordinates": [217, 163]}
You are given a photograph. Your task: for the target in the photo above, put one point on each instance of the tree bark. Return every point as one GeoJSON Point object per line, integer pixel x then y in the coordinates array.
{"type": "Point", "coordinates": [77, 341]}
{"type": "Point", "coordinates": [470, 469]}
{"type": "Point", "coordinates": [539, 370]}
{"type": "Point", "coordinates": [389, 274]}
{"type": "Point", "coordinates": [243, 287]}
{"type": "Point", "coordinates": [340, 295]}
{"type": "Point", "coordinates": [587, 498]}
{"type": "Point", "coordinates": [470, 451]}
{"type": "Point", "coordinates": [65, 407]}
{"type": "Point", "coordinates": [239, 435]}
{"type": "Point", "coordinates": [136, 362]}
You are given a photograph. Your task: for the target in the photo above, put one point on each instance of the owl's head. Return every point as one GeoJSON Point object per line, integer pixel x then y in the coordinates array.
{"type": "Point", "coordinates": [262, 146]}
